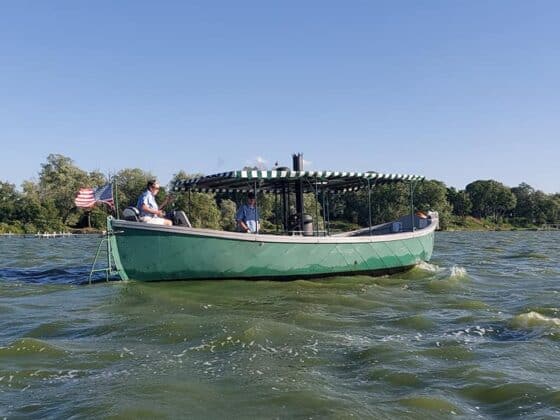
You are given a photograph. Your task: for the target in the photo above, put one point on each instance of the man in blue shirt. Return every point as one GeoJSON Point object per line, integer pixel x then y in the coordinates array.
{"type": "Point", "coordinates": [149, 209]}
{"type": "Point", "coordinates": [247, 216]}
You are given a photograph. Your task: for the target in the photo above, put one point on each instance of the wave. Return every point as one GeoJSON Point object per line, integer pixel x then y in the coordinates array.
{"type": "Point", "coordinates": [493, 248]}
{"type": "Point", "coordinates": [426, 266]}
{"type": "Point", "coordinates": [430, 404]}
{"type": "Point", "coordinates": [527, 255]}
{"type": "Point", "coordinates": [31, 347]}
{"type": "Point", "coordinates": [74, 275]}
{"type": "Point", "coordinates": [458, 272]}
{"type": "Point", "coordinates": [516, 398]}
{"type": "Point", "coordinates": [497, 332]}
{"type": "Point", "coordinates": [421, 271]}
{"type": "Point", "coordinates": [447, 279]}
{"type": "Point", "coordinates": [534, 319]}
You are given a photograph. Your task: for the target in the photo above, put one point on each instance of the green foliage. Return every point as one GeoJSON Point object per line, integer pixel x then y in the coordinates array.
{"type": "Point", "coordinates": [490, 199]}
{"type": "Point", "coordinates": [201, 209]}
{"type": "Point", "coordinates": [525, 206]}
{"type": "Point", "coordinates": [98, 218]}
{"type": "Point", "coordinates": [535, 207]}
{"type": "Point", "coordinates": [388, 202]}
{"type": "Point", "coordinates": [59, 180]}
{"type": "Point", "coordinates": [227, 215]}
{"type": "Point", "coordinates": [130, 184]}
{"type": "Point", "coordinates": [48, 204]}
{"type": "Point", "coordinates": [8, 200]}
{"type": "Point", "coordinates": [431, 195]}
{"type": "Point", "coordinates": [460, 202]}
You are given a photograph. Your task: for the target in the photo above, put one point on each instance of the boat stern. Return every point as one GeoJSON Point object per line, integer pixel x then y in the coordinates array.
{"type": "Point", "coordinates": [114, 249]}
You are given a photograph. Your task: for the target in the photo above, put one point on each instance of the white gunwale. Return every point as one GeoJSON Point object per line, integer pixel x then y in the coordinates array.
{"type": "Point", "coordinates": [248, 237]}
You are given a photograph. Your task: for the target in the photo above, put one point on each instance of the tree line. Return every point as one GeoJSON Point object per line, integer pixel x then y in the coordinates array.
{"type": "Point", "coordinates": [47, 205]}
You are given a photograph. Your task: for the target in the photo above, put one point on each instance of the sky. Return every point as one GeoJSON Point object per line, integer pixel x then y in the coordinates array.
{"type": "Point", "coordinates": [456, 91]}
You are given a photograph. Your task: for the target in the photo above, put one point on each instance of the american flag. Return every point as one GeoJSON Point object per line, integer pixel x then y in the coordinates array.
{"type": "Point", "coordinates": [87, 197]}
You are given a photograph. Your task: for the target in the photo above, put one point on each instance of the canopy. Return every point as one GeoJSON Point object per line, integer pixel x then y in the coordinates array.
{"type": "Point", "coordinates": [277, 180]}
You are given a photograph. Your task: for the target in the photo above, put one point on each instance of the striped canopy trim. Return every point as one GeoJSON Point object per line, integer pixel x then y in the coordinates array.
{"type": "Point", "coordinates": [273, 180]}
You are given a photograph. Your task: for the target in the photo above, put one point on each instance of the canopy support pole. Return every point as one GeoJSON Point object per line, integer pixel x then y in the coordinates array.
{"type": "Point", "coordinates": [316, 209]}
{"type": "Point", "coordinates": [298, 166]}
{"type": "Point", "coordinates": [369, 204]}
{"type": "Point", "coordinates": [324, 210]}
{"type": "Point", "coordinates": [276, 210]}
{"type": "Point", "coordinates": [256, 207]}
{"type": "Point", "coordinates": [412, 228]}
{"type": "Point", "coordinates": [328, 214]}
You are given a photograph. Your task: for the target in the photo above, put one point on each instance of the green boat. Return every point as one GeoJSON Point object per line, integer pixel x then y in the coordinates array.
{"type": "Point", "coordinates": [147, 252]}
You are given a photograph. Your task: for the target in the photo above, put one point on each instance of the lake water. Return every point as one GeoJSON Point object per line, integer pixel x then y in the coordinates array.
{"type": "Point", "coordinates": [476, 332]}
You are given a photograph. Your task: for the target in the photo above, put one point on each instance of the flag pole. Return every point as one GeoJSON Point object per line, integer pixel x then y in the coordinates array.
{"type": "Point", "coordinates": [116, 196]}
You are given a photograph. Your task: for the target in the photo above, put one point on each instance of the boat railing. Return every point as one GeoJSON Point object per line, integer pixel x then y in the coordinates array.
{"type": "Point", "coordinates": [307, 233]}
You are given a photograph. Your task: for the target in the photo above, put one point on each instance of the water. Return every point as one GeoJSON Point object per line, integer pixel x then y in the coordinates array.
{"type": "Point", "coordinates": [474, 333]}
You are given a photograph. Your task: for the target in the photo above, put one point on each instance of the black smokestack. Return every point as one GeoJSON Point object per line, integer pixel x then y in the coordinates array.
{"type": "Point", "coordinates": [298, 166]}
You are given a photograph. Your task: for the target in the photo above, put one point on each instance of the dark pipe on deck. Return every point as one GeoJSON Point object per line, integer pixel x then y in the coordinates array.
{"type": "Point", "coordinates": [298, 166]}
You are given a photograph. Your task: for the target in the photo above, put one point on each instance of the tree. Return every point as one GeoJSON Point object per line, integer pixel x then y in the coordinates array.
{"type": "Point", "coordinates": [38, 217]}
{"type": "Point", "coordinates": [547, 208]}
{"type": "Point", "coordinates": [460, 201]}
{"type": "Point", "coordinates": [201, 208]}
{"type": "Point", "coordinates": [431, 195]}
{"type": "Point", "coordinates": [130, 184]}
{"type": "Point", "coordinates": [227, 214]}
{"type": "Point", "coordinates": [59, 181]}
{"type": "Point", "coordinates": [524, 210]}
{"type": "Point", "coordinates": [490, 199]}
{"type": "Point", "coordinates": [8, 200]}
{"type": "Point", "coordinates": [388, 202]}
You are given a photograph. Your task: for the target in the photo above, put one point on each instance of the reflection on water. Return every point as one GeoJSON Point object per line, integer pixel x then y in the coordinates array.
{"type": "Point", "coordinates": [474, 332]}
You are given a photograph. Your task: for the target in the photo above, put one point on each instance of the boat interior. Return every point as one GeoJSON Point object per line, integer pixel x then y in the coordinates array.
{"type": "Point", "coordinates": [289, 187]}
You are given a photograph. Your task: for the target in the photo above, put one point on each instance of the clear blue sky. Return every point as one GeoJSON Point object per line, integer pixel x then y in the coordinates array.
{"type": "Point", "coordinates": [453, 90]}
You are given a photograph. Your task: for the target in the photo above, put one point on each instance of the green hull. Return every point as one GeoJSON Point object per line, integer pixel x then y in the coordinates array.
{"type": "Point", "coordinates": [151, 253]}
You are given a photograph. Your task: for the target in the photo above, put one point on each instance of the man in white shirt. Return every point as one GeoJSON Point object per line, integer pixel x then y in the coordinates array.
{"type": "Point", "coordinates": [247, 216]}
{"type": "Point", "coordinates": [148, 207]}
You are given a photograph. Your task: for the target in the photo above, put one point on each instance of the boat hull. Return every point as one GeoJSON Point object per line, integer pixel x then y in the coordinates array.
{"type": "Point", "coordinates": [155, 253]}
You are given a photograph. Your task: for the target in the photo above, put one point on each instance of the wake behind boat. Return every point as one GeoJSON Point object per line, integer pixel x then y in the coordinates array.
{"type": "Point", "coordinates": [149, 252]}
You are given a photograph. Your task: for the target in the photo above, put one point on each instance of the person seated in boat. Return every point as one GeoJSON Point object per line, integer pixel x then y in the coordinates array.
{"type": "Point", "coordinates": [421, 214]}
{"type": "Point", "coordinates": [147, 206]}
{"type": "Point", "coordinates": [247, 216]}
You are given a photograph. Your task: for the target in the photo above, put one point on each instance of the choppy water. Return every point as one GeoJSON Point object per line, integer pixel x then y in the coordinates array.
{"type": "Point", "coordinates": [474, 333]}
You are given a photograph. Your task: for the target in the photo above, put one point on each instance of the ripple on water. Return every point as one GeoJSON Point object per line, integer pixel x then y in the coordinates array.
{"type": "Point", "coordinates": [468, 373]}
{"type": "Point", "coordinates": [493, 248]}
{"type": "Point", "coordinates": [57, 275]}
{"type": "Point", "coordinates": [534, 319]}
{"type": "Point", "coordinates": [31, 347]}
{"type": "Point", "coordinates": [415, 322]}
{"type": "Point", "coordinates": [495, 332]}
{"type": "Point", "coordinates": [469, 304]}
{"type": "Point", "coordinates": [396, 378]}
{"type": "Point", "coordinates": [430, 405]}
{"type": "Point", "coordinates": [527, 255]}
{"type": "Point", "coordinates": [453, 278]}
{"type": "Point", "coordinates": [450, 351]}
{"type": "Point", "coordinates": [426, 343]}
{"type": "Point", "coordinates": [512, 398]}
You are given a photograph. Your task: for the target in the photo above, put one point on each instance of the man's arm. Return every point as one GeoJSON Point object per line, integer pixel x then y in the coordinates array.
{"type": "Point", "coordinates": [239, 218]}
{"type": "Point", "coordinates": [243, 226]}
{"type": "Point", "coordinates": [167, 200]}
{"type": "Point", "coordinates": [150, 210]}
